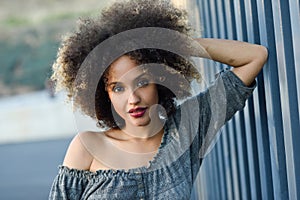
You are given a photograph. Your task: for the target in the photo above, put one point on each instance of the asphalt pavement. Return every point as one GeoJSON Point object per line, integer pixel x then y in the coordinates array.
{"type": "Point", "coordinates": [27, 169]}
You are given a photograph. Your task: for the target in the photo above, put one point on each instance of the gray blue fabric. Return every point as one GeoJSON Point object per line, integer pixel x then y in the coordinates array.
{"type": "Point", "coordinates": [171, 174]}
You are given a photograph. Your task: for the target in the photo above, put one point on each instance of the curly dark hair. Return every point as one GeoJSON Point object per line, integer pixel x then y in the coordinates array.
{"type": "Point", "coordinates": [120, 17]}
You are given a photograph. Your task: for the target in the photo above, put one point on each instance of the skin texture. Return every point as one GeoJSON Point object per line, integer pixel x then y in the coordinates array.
{"type": "Point", "coordinates": [246, 59]}
{"type": "Point", "coordinates": [129, 88]}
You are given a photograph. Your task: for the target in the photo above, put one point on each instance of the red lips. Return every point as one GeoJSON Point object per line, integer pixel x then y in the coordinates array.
{"type": "Point", "coordinates": [137, 112]}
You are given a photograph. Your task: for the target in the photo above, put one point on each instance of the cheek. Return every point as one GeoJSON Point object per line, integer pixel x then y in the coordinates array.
{"type": "Point", "coordinates": [110, 96]}
{"type": "Point", "coordinates": [153, 96]}
{"type": "Point", "coordinates": [118, 102]}
{"type": "Point", "coordinates": [156, 99]}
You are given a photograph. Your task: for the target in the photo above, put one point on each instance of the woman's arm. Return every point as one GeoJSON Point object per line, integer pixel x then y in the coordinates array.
{"type": "Point", "coordinates": [247, 59]}
{"type": "Point", "coordinates": [77, 156]}
{"type": "Point", "coordinates": [71, 181]}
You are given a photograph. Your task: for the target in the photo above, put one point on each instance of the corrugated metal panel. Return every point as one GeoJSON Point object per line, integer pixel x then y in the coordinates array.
{"type": "Point", "coordinates": [256, 154]}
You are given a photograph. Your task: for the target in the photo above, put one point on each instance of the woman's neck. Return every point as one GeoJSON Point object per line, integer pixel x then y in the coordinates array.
{"type": "Point", "coordinates": [155, 127]}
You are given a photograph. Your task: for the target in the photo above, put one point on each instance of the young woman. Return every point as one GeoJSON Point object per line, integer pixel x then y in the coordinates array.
{"type": "Point", "coordinates": [150, 146]}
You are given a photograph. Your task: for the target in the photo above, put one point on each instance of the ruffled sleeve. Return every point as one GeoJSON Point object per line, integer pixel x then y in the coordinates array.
{"type": "Point", "coordinates": [218, 104]}
{"type": "Point", "coordinates": [236, 92]}
{"type": "Point", "coordinates": [69, 184]}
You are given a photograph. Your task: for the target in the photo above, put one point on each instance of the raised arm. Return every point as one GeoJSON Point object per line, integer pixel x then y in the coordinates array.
{"type": "Point", "coordinates": [247, 59]}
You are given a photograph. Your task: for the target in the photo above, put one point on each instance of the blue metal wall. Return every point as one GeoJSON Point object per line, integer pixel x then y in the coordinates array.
{"type": "Point", "coordinates": [256, 156]}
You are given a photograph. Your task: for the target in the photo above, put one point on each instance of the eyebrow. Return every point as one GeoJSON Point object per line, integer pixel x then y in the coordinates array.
{"type": "Point", "coordinates": [116, 82]}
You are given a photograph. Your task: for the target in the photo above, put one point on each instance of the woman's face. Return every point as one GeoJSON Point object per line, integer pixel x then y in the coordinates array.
{"type": "Point", "coordinates": [131, 91]}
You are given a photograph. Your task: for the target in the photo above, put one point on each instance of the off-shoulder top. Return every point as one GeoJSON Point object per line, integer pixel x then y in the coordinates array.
{"type": "Point", "coordinates": [187, 137]}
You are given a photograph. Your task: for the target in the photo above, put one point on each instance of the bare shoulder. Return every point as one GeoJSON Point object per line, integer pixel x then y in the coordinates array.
{"type": "Point", "coordinates": [78, 155]}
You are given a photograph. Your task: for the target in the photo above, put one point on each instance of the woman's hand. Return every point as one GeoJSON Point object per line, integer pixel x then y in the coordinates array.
{"type": "Point", "coordinates": [247, 59]}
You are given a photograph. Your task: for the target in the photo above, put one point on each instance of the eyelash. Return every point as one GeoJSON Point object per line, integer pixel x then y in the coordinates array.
{"type": "Point", "coordinates": [118, 89]}
{"type": "Point", "coordinates": [140, 84]}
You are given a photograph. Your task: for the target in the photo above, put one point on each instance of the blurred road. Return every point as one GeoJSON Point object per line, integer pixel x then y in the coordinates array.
{"type": "Point", "coordinates": [27, 169]}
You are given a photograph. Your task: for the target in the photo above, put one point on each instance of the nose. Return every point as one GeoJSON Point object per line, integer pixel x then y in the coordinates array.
{"type": "Point", "coordinates": [134, 98]}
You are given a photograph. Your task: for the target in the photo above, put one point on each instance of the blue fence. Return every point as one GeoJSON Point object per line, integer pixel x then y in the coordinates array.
{"type": "Point", "coordinates": [256, 154]}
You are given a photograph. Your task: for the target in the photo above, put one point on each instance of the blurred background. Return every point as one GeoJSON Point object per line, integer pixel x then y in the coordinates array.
{"type": "Point", "coordinates": [36, 124]}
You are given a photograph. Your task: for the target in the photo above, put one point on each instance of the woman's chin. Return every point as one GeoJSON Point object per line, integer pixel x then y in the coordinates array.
{"type": "Point", "coordinates": [140, 123]}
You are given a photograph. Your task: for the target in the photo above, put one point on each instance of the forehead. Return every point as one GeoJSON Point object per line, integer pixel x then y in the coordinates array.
{"type": "Point", "coordinates": [123, 68]}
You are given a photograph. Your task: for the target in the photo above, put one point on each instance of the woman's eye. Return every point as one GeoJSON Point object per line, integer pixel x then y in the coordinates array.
{"type": "Point", "coordinates": [142, 83]}
{"type": "Point", "coordinates": [118, 89]}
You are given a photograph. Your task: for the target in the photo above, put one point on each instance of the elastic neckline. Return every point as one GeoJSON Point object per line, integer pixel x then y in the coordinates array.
{"type": "Point", "coordinates": [112, 172]}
